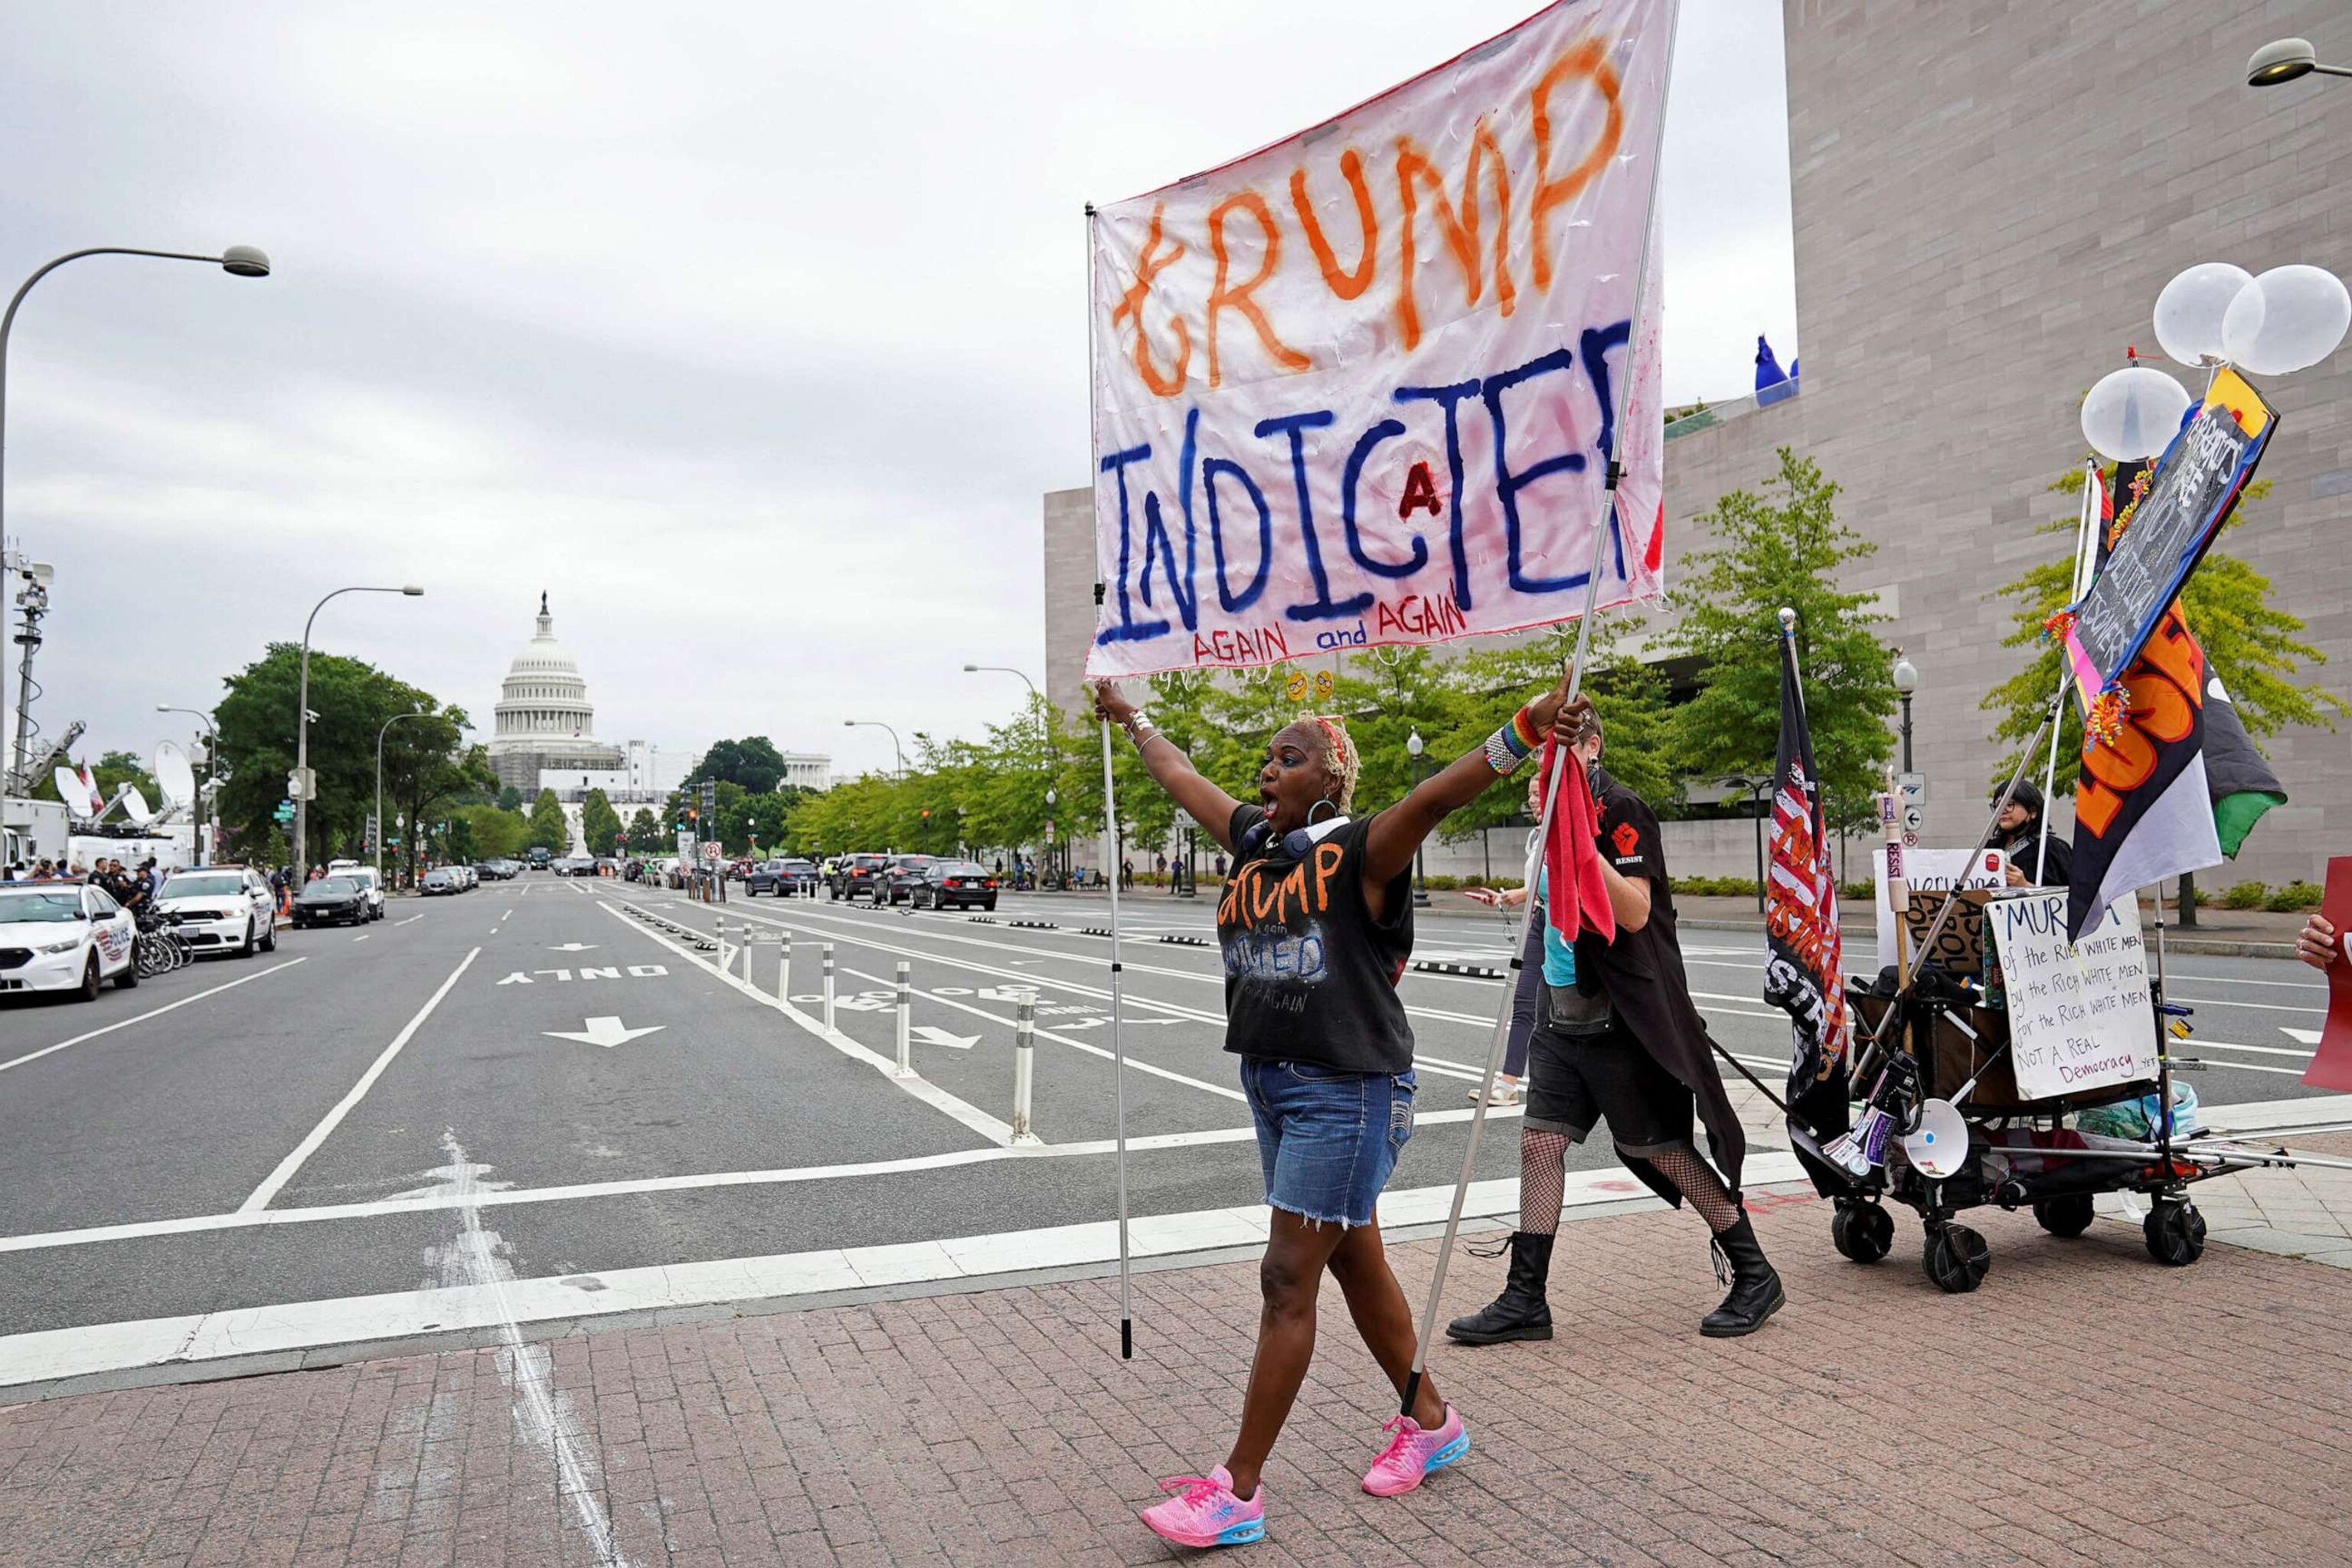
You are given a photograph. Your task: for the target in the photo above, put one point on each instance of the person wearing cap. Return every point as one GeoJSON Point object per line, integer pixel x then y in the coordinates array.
{"type": "Point", "coordinates": [2018, 826]}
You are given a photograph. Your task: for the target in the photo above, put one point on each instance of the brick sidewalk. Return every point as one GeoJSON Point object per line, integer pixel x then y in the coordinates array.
{"type": "Point", "coordinates": [2085, 1407]}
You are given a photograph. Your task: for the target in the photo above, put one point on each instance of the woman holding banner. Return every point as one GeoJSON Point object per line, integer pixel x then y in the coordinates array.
{"type": "Point", "coordinates": [1315, 925]}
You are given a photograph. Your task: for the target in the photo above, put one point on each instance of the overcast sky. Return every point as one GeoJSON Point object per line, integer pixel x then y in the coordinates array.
{"type": "Point", "coordinates": [752, 333]}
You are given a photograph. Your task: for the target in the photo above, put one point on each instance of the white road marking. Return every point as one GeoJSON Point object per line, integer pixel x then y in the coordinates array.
{"type": "Point", "coordinates": [318, 1135]}
{"type": "Point", "coordinates": [153, 1013]}
{"type": "Point", "coordinates": [409, 922]}
{"type": "Point", "coordinates": [363, 936]}
{"type": "Point", "coordinates": [544, 1415]}
{"type": "Point", "coordinates": [605, 1031]}
{"type": "Point", "coordinates": [921, 1088]}
{"type": "Point", "coordinates": [503, 1305]}
{"type": "Point", "coordinates": [1062, 1039]}
{"type": "Point", "coordinates": [2307, 1036]}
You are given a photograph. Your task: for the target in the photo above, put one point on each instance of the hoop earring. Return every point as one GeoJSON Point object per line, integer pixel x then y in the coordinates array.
{"type": "Point", "coordinates": [1329, 805]}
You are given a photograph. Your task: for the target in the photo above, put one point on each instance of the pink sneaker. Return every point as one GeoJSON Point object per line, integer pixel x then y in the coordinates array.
{"type": "Point", "coordinates": [1413, 1453]}
{"type": "Point", "coordinates": [1204, 1512]}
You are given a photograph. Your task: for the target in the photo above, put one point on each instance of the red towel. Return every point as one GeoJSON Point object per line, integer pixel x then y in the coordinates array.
{"type": "Point", "coordinates": [1572, 856]}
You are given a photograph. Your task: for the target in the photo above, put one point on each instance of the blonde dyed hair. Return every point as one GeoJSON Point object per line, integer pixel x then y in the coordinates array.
{"type": "Point", "coordinates": [1339, 757]}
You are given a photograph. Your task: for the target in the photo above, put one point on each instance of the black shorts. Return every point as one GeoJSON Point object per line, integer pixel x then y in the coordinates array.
{"type": "Point", "coordinates": [1576, 1082]}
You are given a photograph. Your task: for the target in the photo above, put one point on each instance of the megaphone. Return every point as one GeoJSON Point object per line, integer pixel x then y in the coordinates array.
{"type": "Point", "coordinates": [1938, 1146]}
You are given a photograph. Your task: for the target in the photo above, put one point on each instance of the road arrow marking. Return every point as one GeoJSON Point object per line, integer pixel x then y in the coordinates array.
{"type": "Point", "coordinates": [573, 947]}
{"type": "Point", "coordinates": [606, 1032]}
{"type": "Point", "coordinates": [932, 1035]}
{"type": "Point", "coordinates": [2301, 1037]}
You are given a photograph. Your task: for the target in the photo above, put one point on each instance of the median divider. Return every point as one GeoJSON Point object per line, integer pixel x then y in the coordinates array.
{"type": "Point", "coordinates": [1185, 940]}
{"type": "Point", "coordinates": [1024, 1068]}
{"type": "Point", "coordinates": [1032, 925]}
{"type": "Point", "coordinates": [906, 975]}
{"type": "Point", "coordinates": [1446, 966]}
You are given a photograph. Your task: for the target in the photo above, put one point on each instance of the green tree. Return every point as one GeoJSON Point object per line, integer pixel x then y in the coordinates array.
{"type": "Point", "coordinates": [600, 825]}
{"type": "Point", "coordinates": [510, 799]}
{"type": "Point", "coordinates": [645, 834]}
{"type": "Point", "coordinates": [550, 829]}
{"type": "Point", "coordinates": [352, 700]}
{"type": "Point", "coordinates": [752, 763]}
{"type": "Point", "coordinates": [113, 771]}
{"type": "Point", "coordinates": [496, 833]}
{"type": "Point", "coordinates": [1783, 548]}
{"type": "Point", "coordinates": [2252, 644]}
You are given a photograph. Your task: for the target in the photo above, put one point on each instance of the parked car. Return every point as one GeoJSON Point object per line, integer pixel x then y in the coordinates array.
{"type": "Point", "coordinates": [438, 880]}
{"type": "Point", "coordinates": [334, 900]}
{"type": "Point", "coordinates": [953, 885]}
{"type": "Point", "coordinates": [898, 883]}
{"type": "Point", "coordinates": [496, 870]}
{"type": "Point", "coordinates": [857, 874]}
{"type": "Point", "coordinates": [220, 906]}
{"type": "Point", "coordinates": [64, 936]}
{"type": "Point", "coordinates": [780, 878]}
{"type": "Point", "coordinates": [370, 883]}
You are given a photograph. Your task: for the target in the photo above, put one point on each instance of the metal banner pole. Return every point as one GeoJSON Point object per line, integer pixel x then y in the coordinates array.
{"type": "Point", "coordinates": [1608, 521]}
{"type": "Point", "coordinates": [2084, 553]}
{"type": "Point", "coordinates": [1110, 868]}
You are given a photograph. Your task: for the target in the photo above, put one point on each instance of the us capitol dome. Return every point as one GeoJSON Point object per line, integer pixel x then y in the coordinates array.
{"type": "Point", "coordinates": [545, 721]}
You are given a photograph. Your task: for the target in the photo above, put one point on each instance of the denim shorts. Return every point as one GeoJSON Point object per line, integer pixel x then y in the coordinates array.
{"type": "Point", "coordinates": [1327, 1139]}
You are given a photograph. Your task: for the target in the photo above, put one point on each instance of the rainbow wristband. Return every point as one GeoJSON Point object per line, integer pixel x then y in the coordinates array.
{"type": "Point", "coordinates": [1511, 744]}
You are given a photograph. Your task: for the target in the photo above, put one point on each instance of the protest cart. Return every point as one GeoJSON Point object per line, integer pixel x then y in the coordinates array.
{"type": "Point", "coordinates": [1962, 1117]}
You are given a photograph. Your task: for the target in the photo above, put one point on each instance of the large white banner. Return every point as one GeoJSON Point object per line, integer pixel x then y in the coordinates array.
{"type": "Point", "coordinates": [1362, 386]}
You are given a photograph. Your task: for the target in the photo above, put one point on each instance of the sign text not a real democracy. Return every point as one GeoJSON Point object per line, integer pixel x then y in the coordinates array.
{"type": "Point", "coordinates": [2079, 1015]}
{"type": "Point", "coordinates": [1365, 385]}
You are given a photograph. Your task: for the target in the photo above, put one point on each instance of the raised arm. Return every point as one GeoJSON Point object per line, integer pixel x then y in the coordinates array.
{"type": "Point", "coordinates": [1396, 833]}
{"type": "Point", "coordinates": [1169, 768]}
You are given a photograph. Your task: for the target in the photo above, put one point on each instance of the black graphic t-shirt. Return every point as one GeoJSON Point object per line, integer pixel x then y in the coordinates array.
{"type": "Point", "coordinates": [1627, 836]}
{"type": "Point", "coordinates": [1309, 975]}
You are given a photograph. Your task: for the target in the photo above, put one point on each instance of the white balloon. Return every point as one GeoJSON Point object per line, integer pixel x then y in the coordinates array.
{"type": "Point", "coordinates": [2189, 312]}
{"type": "Point", "coordinates": [2287, 319]}
{"type": "Point", "coordinates": [2133, 413]}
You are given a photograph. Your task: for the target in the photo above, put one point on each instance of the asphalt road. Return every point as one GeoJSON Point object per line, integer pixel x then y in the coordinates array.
{"type": "Point", "coordinates": [322, 1123]}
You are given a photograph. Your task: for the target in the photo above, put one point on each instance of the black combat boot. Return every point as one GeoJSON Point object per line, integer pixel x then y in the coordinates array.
{"type": "Point", "coordinates": [1756, 1291]}
{"type": "Point", "coordinates": [1520, 1313]}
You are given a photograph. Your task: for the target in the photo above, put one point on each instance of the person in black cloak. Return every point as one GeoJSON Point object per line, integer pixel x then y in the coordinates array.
{"type": "Point", "coordinates": [2020, 826]}
{"type": "Point", "coordinates": [1625, 1043]}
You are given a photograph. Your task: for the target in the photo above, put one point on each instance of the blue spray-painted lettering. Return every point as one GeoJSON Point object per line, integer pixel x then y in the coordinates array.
{"type": "Point", "coordinates": [1276, 955]}
{"type": "Point", "coordinates": [1128, 629]}
{"type": "Point", "coordinates": [1322, 607]}
{"type": "Point", "coordinates": [1210, 471]}
{"type": "Point", "coordinates": [1348, 483]}
{"type": "Point", "coordinates": [1508, 484]}
{"type": "Point", "coordinates": [1448, 397]}
{"type": "Point", "coordinates": [1159, 550]}
{"type": "Point", "coordinates": [1595, 346]}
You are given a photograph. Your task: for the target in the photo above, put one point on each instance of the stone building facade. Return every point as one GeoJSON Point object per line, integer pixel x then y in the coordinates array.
{"type": "Point", "coordinates": [1988, 198]}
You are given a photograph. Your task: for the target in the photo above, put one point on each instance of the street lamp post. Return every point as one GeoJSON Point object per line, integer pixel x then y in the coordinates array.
{"type": "Point", "coordinates": [1907, 681]}
{"type": "Point", "coordinates": [1002, 669]}
{"type": "Point", "coordinates": [1052, 850]}
{"type": "Point", "coordinates": [877, 724]}
{"type": "Point", "coordinates": [302, 732]}
{"type": "Point", "coordinates": [212, 762]}
{"type": "Point", "coordinates": [2285, 60]}
{"type": "Point", "coordinates": [238, 261]}
{"type": "Point", "coordinates": [387, 724]}
{"type": "Point", "coordinates": [1414, 748]}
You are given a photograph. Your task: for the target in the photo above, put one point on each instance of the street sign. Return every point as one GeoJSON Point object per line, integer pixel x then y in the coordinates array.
{"type": "Point", "coordinates": [283, 811]}
{"type": "Point", "coordinates": [1912, 817]}
{"type": "Point", "coordinates": [685, 844]}
{"type": "Point", "coordinates": [712, 851]}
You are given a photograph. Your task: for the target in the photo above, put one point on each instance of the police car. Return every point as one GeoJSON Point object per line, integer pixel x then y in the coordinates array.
{"type": "Point", "coordinates": [64, 936]}
{"type": "Point", "coordinates": [220, 908]}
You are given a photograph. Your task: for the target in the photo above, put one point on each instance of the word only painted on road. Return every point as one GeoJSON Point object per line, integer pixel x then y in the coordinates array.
{"type": "Point", "coordinates": [1367, 384]}
{"type": "Point", "coordinates": [602, 971]}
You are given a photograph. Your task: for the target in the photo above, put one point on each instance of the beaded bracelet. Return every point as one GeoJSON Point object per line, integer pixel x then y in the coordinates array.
{"type": "Point", "coordinates": [1512, 743]}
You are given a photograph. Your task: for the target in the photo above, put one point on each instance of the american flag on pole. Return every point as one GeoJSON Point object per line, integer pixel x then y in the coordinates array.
{"type": "Point", "coordinates": [1804, 974]}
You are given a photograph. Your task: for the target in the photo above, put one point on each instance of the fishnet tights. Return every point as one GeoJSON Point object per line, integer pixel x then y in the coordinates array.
{"type": "Point", "coordinates": [1699, 1183]}
{"type": "Point", "coordinates": [1543, 1179]}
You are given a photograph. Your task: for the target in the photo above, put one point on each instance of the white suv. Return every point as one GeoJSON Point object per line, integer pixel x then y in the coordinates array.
{"type": "Point", "coordinates": [217, 908]}
{"type": "Point", "coordinates": [366, 878]}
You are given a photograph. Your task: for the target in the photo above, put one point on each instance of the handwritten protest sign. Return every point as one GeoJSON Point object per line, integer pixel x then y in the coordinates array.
{"type": "Point", "coordinates": [2189, 496]}
{"type": "Point", "coordinates": [2079, 1015]}
{"type": "Point", "coordinates": [2331, 1064]}
{"type": "Point", "coordinates": [1362, 386]}
{"type": "Point", "coordinates": [1934, 872]}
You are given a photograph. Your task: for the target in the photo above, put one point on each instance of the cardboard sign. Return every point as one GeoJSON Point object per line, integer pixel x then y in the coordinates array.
{"type": "Point", "coordinates": [2331, 1065]}
{"type": "Point", "coordinates": [2195, 484]}
{"type": "Point", "coordinates": [1934, 872]}
{"type": "Point", "coordinates": [1960, 945]}
{"type": "Point", "coordinates": [1365, 385]}
{"type": "Point", "coordinates": [2079, 1014]}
